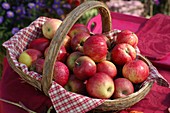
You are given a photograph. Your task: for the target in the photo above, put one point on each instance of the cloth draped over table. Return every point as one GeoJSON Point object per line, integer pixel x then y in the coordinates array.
{"type": "Point", "coordinates": [154, 43]}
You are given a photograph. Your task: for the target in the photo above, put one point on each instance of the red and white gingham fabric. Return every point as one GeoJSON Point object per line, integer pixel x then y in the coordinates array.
{"type": "Point", "coordinates": [16, 44]}
{"type": "Point", "coordinates": [63, 101]}
{"type": "Point", "coordinates": [68, 102]}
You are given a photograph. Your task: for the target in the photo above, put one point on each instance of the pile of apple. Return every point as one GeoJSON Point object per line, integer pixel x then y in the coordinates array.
{"type": "Point", "coordinates": [94, 65]}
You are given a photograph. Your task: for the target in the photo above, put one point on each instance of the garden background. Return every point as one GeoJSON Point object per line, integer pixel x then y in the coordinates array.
{"type": "Point", "coordinates": [17, 14]}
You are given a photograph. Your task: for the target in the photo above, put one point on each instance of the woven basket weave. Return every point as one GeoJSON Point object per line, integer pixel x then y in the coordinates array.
{"type": "Point", "coordinates": [47, 76]}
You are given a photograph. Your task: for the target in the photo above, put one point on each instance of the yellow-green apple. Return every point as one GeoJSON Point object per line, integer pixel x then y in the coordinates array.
{"type": "Point", "coordinates": [84, 68]}
{"type": "Point", "coordinates": [61, 73]}
{"type": "Point", "coordinates": [123, 88]}
{"type": "Point", "coordinates": [100, 86]}
{"type": "Point", "coordinates": [62, 54]}
{"type": "Point", "coordinates": [107, 67]}
{"type": "Point", "coordinates": [78, 40]}
{"type": "Point", "coordinates": [136, 71]}
{"type": "Point", "coordinates": [50, 27]}
{"type": "Point", "coordinates": [75, 85]}
{"type": "Point", "coordinates": [78, 28]}
{"type": "Point", "coordinates": [29, 56]}
{"type": "Point", "coordinates": [40, 44]}
{"type": "Point", "coordinates": [123, 53]}
{"type": "Point", "coordinates": [96, 48]}
{"type": "Point", "coordinates": [127, 36]}
{"type": "Point", "coordinates": [70, 62]}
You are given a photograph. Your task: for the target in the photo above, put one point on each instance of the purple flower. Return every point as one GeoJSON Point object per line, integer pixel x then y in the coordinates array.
{"type": "Point", "coordinates": [15, 30]}
{"type": "Point", "coordinates": [10, 14]}
{"type": "Point", "coordinates": [157, 2]}
{"type": "Point", "coordinates": [20, 10]}
{"type": "Point", "coordinates": [59, 11]}
{"type": "Point", "coordinates": [68, 6]}
{"type": "Point", "coordinates": [1, 19]}
{"type": "Point", "coordinates": [31, 5]}
{"type": "Point", "coordinates": [39, 3]}
{"type": "Point", "coordinates": [55, 6]}
{"type": "Point", "coordinates": [57, 1]}
{"type": "Point", "coordinates": [5, 5]}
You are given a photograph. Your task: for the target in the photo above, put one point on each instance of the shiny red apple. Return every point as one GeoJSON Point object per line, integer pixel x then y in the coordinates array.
{"type": "Point", "coordinates": [127, 36]}
{"type": "Point", "coordinates": [84, 68]}
{"type": "Point", "coordinates": [61, 73]}
{"type": "Point", "coordinates": [100, 86]}
{"type": "Point", "coordinates": [123, 53]}
{"type": "Point", "coordinates": [136, 71]}
{"type": "Point", "coordinates": [78, 28]}
{"type": "Point", "coordinates": [123, 88]}
{"type": "Point", "coordinates": [75, 85]}
{"type": "Point", "coordinates": [62, 55]}
{"type": "Point", "coordinates": [107, 67]}
{"type": "Point", "coordinates": [96, 47]}
{"type": "Point", "coordinates": [40, 44]}
{"type": "Point", "coordinates": [78, 40]}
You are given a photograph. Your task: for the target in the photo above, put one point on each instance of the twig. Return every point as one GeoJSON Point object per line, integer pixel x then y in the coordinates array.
{"type": "Point", "coordinates": [18, 105]}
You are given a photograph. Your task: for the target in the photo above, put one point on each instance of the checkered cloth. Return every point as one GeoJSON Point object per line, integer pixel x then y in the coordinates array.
{"type": "Point", "coordinates": [63, 101]}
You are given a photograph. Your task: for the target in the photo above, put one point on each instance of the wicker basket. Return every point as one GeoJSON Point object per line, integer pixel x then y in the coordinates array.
{"type": "Point", "coordinates": [68, 22]}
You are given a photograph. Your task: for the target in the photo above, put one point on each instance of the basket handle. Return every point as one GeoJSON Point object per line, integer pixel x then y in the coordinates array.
{"type": "Point", "coordinates": [63, 30]}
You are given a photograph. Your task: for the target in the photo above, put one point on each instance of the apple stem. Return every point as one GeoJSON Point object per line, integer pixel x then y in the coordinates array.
{"type": "Point", "coordinates": [76, 63]}
{"type": "Point", "coordinates": [18, 105]}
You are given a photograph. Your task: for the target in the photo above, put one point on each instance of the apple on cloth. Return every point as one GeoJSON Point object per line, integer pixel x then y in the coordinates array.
{"type": "Point", "coordinates": [29, 56]}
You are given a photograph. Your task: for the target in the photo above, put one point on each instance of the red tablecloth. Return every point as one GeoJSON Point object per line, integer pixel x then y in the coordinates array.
{"type": "Point", "coordinates": [153, 42]}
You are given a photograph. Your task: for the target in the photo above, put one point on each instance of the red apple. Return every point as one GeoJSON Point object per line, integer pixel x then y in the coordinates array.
{"type": "Point", "coordinates": [67, 43]}
{"type": "Point", "coordinates": [62, 55]}
{"type": "Point", "coordinates": [96, 48]}
{"type": "Point", "coordinates": [61, 73]}
{"type": "Point", "coordinates": [78, 40]}
{"type": "Point", "coordinates": [100, 86]}
{"type": "Point", "coordinates": [127, 36]}
{"type": "Point", "coordinates": [107, 67]}
{"type": "Point", "coordinates": [78, 28]}
{"type": "Point", "coordinates": [136, 71]}
{"type": "Point", "coordinates": [29, 56]}
{"type": "Point", "coordinates": [84, 68]}
{"type": "Point", "coordinates": [123, 53]}
{"type": "Point", "coordinates": [50, 27]}
{"type": "Point", "coordinates": [40, 44]}
{"type": "Point", "coordinates": [75, 85]}
{"type": "Point", "coordinates": [123, 88]}
{"type": "Point", "coordinates": [72, 58]}
{"type": "Point", "coordinates": [39, 63]}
